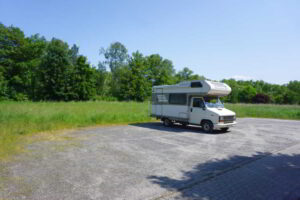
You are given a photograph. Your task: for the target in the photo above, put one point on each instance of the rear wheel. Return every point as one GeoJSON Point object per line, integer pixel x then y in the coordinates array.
{"type": "Point", "coordinates": [224, 129]}
{"type": "Point", "coordinates": [207, 126]}
{"type": "Point", "coordinates": [184, 124]}
{"type": "Point", "coordinates": [167, 122]}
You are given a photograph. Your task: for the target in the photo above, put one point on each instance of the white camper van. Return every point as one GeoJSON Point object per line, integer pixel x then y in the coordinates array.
{"type": "Point", "coordinates": [193, 102]}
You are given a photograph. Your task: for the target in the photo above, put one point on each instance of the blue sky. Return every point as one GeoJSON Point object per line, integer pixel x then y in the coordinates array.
{"type": "Point", "coordinates": [218, 39]}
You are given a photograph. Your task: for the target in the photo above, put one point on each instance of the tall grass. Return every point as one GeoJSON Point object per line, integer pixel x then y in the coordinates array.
{"type": "Point", "coordinates": [22, 118]}
{"type": "Point", "coordinates": [18, 119]}
{"type": "Point", "coordinates": [266, 110]}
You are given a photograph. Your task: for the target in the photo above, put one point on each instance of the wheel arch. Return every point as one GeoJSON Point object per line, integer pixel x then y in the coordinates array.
{"type": "Point", "coordinates": [205, 120]}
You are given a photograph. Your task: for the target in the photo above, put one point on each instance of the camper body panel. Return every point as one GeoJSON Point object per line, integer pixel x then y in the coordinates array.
{"type": "Point", "coordinates": [209, 88]}
{"type": "Point", "coordinates": [176, 112]}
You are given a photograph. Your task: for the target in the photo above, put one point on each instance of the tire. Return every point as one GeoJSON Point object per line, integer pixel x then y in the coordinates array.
{"type": "Point", "coordinates": [207, 126]}
{"type": "Point", "coordinates": [167, 122]}
{"type": "Point", "coordinates": [184, 124]}
{"type": "Point", "coordinates": [224, 129]}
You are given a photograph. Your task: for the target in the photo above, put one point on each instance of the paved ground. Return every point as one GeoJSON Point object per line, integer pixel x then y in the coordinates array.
{"type": "Point", "coordinates": [257, 159]}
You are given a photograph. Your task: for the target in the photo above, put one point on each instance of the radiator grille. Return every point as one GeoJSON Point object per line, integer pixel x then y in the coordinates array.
{"type": "Point", "coordinates": [228, 119]}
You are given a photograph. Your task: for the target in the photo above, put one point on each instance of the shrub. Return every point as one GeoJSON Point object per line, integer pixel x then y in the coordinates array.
{"type": "Point", "coordinates": [261, 98]}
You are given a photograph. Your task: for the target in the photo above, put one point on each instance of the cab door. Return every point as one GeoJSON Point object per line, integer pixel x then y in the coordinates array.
{"type": "Point", "coordinates": [197, 110]}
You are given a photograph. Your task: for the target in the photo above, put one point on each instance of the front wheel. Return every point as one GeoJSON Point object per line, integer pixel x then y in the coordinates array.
{"type": "Point", "coordinates": [207, 126]}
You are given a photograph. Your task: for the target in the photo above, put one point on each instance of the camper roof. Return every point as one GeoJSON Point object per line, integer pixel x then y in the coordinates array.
{"type": "Point", "coordinates": [197, 87]}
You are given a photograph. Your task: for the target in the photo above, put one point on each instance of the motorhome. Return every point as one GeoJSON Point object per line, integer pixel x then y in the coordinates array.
{"type": "Point", "coordinates": [193, 102]}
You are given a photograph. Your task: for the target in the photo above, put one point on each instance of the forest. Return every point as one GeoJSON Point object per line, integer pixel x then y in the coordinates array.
{"type": "Point", "coordinates": [35, 69]}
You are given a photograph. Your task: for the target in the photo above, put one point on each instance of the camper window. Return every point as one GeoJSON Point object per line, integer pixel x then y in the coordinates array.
{"type": "Point", "coordinates": [162, 98]}
{"type": "Point", "coordinates": [179, 99]}
{"type": "Point", "coordinates": [196, 84]}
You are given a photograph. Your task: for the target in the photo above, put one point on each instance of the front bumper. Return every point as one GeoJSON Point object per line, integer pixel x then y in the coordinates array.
{"type": "Point", "coordinates": [224, 125]}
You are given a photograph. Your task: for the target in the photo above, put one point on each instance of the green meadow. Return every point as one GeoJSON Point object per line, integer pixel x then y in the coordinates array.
{"type": "Point", "coordinates": [19, 120]}
{"type": "Point", "coordinates": [266, 111]}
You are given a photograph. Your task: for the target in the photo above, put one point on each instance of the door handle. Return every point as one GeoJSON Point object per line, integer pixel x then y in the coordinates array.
{"type": "Point", "coordinates": [191, 109]}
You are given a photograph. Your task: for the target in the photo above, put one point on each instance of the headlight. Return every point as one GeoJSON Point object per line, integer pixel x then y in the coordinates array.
{"type": "Point", "coordinates": [221, 118]}
{"type": "Point", "coordinates": [234, 117]}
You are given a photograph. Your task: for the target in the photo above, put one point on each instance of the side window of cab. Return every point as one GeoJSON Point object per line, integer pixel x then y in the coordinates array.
{"type": "Point", "coordinates": [198, 103]}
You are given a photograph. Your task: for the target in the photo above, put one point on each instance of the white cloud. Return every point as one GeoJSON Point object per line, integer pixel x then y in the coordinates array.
{"type": "Point", "coordinates": [243, 78]}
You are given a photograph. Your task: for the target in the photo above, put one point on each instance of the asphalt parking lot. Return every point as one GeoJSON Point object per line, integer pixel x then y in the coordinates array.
{"type": "Point", "coordinates": [257, 159]}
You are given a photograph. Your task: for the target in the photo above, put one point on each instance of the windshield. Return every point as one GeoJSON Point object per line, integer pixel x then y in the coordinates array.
{"type": "Point", "coordinates": [213, 102]}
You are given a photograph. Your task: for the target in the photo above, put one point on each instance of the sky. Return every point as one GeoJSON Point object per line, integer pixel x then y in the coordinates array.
{"type": "Point", "coordinates": [218, 39]}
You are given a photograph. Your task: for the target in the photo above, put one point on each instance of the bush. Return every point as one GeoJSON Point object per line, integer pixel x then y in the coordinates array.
{"type": "Point", "coordinates": [261, 98]}
{"type": "Point", "coordinates": [246, 94]}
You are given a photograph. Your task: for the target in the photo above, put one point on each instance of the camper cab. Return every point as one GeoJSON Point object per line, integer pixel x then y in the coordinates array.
{"type": "Point", "coordinates": [193, 102]}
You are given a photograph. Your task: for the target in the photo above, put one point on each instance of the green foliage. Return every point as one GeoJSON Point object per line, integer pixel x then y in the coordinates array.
{"type": "Point", "coordinates": [246, 94]}
{"type": "Point", "coordinates": [74, 53]}
{"type": "Point", "coordinates": [187, 75]}
{"type": "Point", "coordinates": [261, 98]}
{"type": "Point", "coordinates": [32, 68]}
{"type": "Point", "coordinates": [294, 86]}
{"type": "Point", "coordinates": [55, 72]}
{"type": "Point", "coordinates": [84, 80]}
{"type": "Point", "coordinates": [101, 77]}
{"type": "Point", "coordinates": [3, 88]}
{"type": "Point", "coordinates": [233, 97]}
{"type": "Point", "coordinates": [133, 83]}
{"type": "Point", "coordinates": [245, 91]}
{"type": "Point", "coordinates": [19, 58]}
{"type": "Point", "coordinates": [159, 71]}
{"type": "Point", "coordinates": [116, 56]}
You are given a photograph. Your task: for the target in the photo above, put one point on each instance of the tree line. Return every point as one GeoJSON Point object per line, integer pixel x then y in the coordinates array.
{"type": "Point", "coordinates": [32, 68]}
{"type": "Point", "coordinates": [262, 92]}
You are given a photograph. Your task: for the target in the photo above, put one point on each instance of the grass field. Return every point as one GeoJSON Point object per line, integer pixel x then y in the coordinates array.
{"type": "Point", "coordinates": [20, 119]}
{"type": "Point", "coordinates": [266, 111]}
